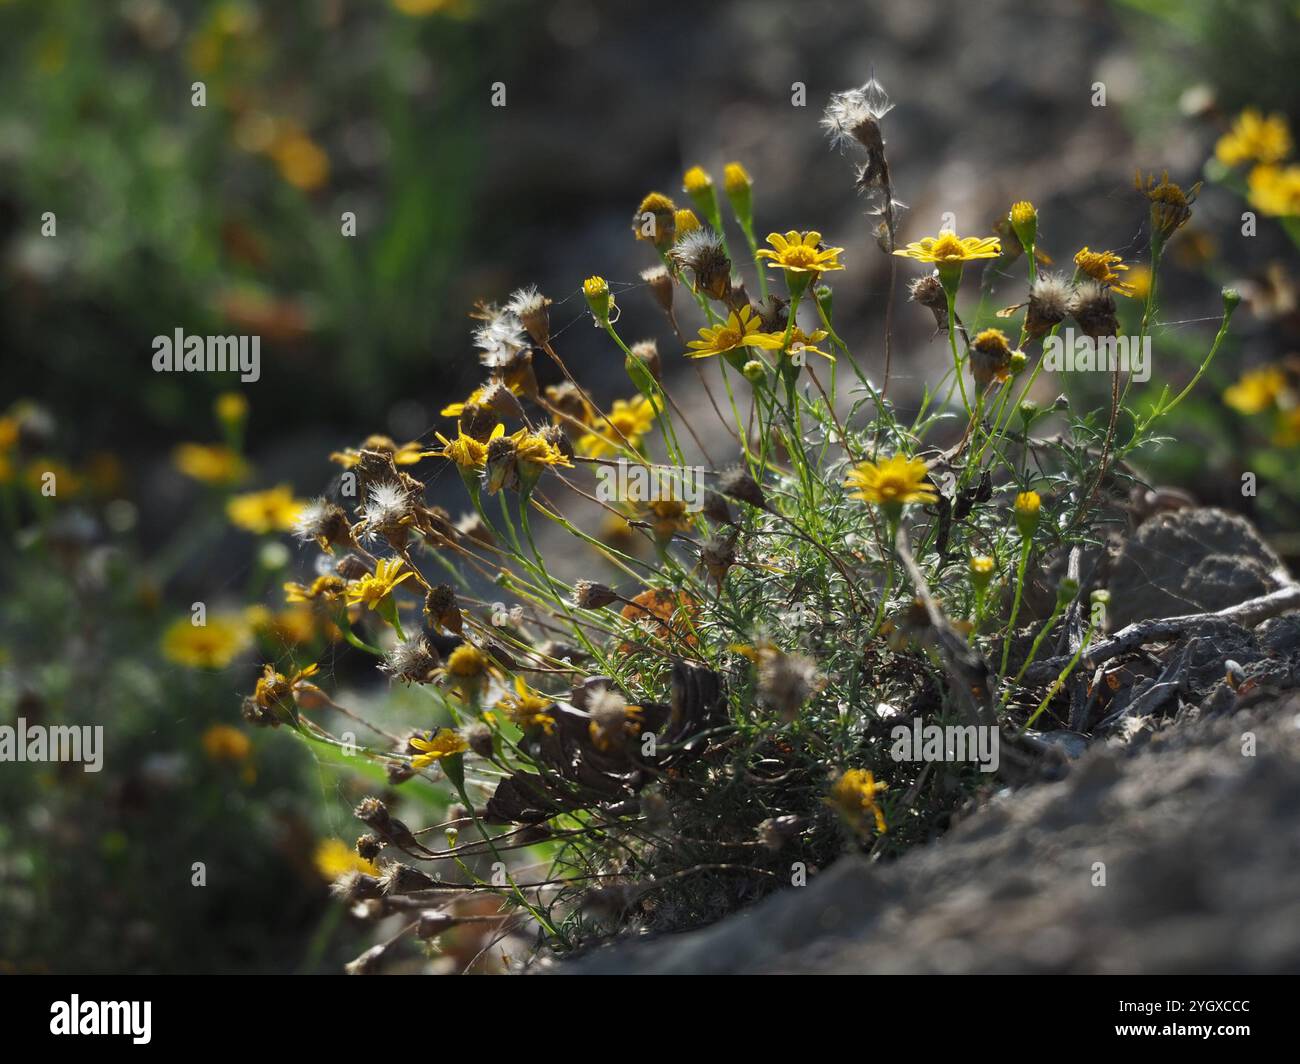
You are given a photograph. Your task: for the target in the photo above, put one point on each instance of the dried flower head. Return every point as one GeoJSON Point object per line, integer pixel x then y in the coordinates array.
{"type": "Point", "coordinates": [1171, 207]}
{"type": "Point", "coordinates": [1093, 307]}
{"type": "Point", "coordinates": [704, 254]}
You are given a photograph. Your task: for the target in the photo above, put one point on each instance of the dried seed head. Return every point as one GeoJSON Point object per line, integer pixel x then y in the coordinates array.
{"type": "Point", "coordinates": [660, 282]}
{"type": "Point", "coordinates": [928, 292]}
{"type": "Point", "coordinates": [787, 681]}
{"type": "Point", "coordinates": [716, 509]}
{"type": "Point", "coordinates": [568, 400]}
{"type": "Point", "coordinates": [853, 117]}
{"type": "Point", "coordinates": [432, 924]}
{"type": "Point", "coordinates": [1093, 307]}
{"type": "Point", "coordinates": [388, 510]}
{"type": "Point", "coordinates": [351, 567]}
{"type": "Point", "coordinates": [255, 715]}
{"type": "Point", "coordinates": [773, 313]}
{"type": "Point", "coordinates": [588, 595]}
{"type": "Point", "coordinates": [479, 737]}
{"type": "Point", "coordinates": [718, 555]}
{"type": "Point", "coordinates": [776, 831]}
{"type": "Point", "coordinates": [1049, 303]}
{"type": "Point", "coordinates": [501, 400]}
{"type": "Point", "coordinates": [557, 438]}
{"type": "Point", "coordinates": [369, 846]}
{"type": "Point", "coordinates": [477, 421]}
{"type": "Point", "coordinates": [990, 357]}
{"type": "Point", "coordinates": [325, 522]}
{"type": "Point", "coordinates": [356, 886]}
{"type": "Point", "coordinates": [412, 661]}
{"type": "Point", "coordinates": [532, 310]}
{"type": "Point", "coordinates": [373, 812]}
{"type": "Point", "coordinates": [736, 483]}
{"type": "Point", "coordinates": [500, 338]}
{"type": "Point", "coordinates": [647, 351]}
{"type": "Point", "coordinates": [704, 254]}
{"type": "Point", "coordinates": [609, 712]}
{"type": "Point", "coordinates": [398, 878]}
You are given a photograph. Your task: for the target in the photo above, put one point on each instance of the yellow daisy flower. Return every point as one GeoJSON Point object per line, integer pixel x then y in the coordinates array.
{"type": "Point", "coordinates": [892, 483]}
{"type": "Point", "coordinates": [446, 743]}
{"type": "Point", "coordinates": [738, 331]}
{"type": "Point", "coordinates": [799, 341]}
{"type": "Point", "coordinates": [799, 253]}
{"type": "Point", "coordinates": [527, 708]}
{"type": "Point", "coordinates": [1103, 267]}
{"type": "Point", "coordinates": [374, 589]}
{"type": "Point", "coordinates": [949, 249]}
{"type": "Point", "coordinates": [467, 452]}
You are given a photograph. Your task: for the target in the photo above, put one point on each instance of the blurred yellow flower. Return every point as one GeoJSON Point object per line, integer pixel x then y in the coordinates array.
{"type": "Point", "coordinates": [854, 795]}
{"type": "Point", "coordinates": [1103, 267]}
{"type": "Point", "coordinates": [1275, 190]}
{"type": "Point", "coordinates": [224, 743]}
{"type": "Point", "coordinates": [632, 418]}
{"type": "Point", "coordinates": [213, 464]}
{"type": "Point", "coordinates": [1255, 138]}
{"type": "Point", "coordinates": [334, 858]}
{"type": "Point", "coordinates": [1256, 391]}
{"type": "Point", "coordinates": [213, 645]}
{"type": "Point", "coordinates": [262, 512]}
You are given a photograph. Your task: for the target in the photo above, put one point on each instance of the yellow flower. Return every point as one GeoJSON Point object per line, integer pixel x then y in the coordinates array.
{"type": "Point", "coordinates": [406, 454]}
{"type": "Point", "coordinates": [224, 743]}
{"type": "Point", "coordinates": [261, 512]}
{"type": "Point", "coordinates": [739, 331]}
{"type": "Point", "coordinates": [1024, 223]}
{"type": "Point", "coordinates": [468, 669]}
{"type": "Point", "coordinates": [1139, 281]}
{"type": "Point", "coordinates": [209, 463]}
{"type": "Point", "coordinates": [1103, 267]}
{"type": "Point", "coordinates": [798, 253]}
{"type": "Point", "coordinates": [736, 179]}
{"type": "Point", "coordinates": [633, 419]}
{"type": "Point", "coordinates": [1287, 433]}
{"type": "Point", "coordinates": [213, 645]}
{"type": "Point", "coordinates": [527, 708]}
{"type": "Point", "coordinates": [854, 795]}
{"type": "Point", "coordinates": [685, 222]}
{"type": "Point", "coordinates": [1027, 507]}
{"type": "Point", "coordinates": [892, 483]}
{"type": "Point", "coordinates": [374, 589]}
{"type": "Point", "coordinates": [231, 408]}
{"type": "Point", "coordinates": [981, 570]}
{"type": "Point", "coordinates": [696, 180]}
{"type": "Point", "coordinates": [1257, 390]}
{"type": "Point", "coordinates": [334, 858]}
{"type": "Point", "coordinates": [599, 298]}
{"type": "Point", "coordinates": [275, 691]}
{"type": "Point", "coordinates": [446, 743]}
{"type": "Point", "coordinates": [1254, 138]}
{"type": "Point", "coordinates": [301, 161]}
{"type": "Point", "coordinates": [1171, 207]}
{"type": "Point", "coordinates": [467, 452]}
{"type": "Point", "coordinates": [949, 249]}
{"type": "Point", "coordinates": [1275, 190]}
{"type": "Point", "coordinates": [327, 589]}
{"type": "Point", "coordinates": [800, 341]}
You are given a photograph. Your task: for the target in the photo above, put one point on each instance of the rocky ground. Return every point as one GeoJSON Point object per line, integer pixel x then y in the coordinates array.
{"type": "Point", "coordinates": [1171, 845]}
